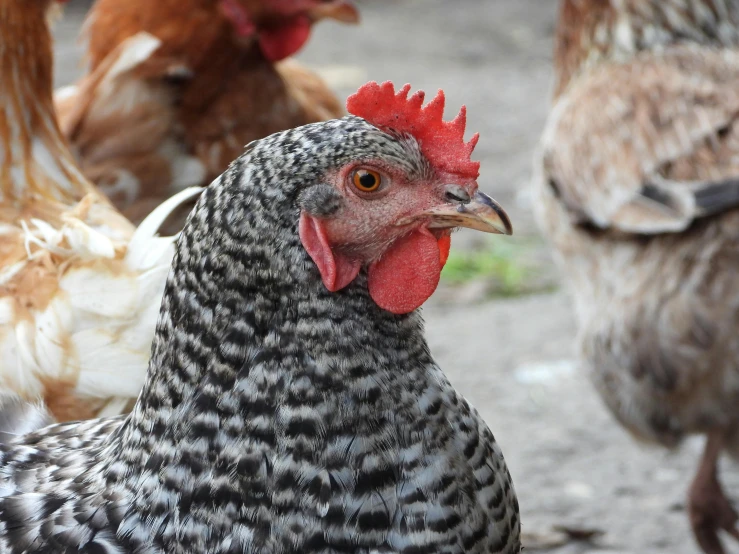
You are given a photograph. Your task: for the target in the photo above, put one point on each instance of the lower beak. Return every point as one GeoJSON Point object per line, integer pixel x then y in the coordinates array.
{"type": "Point", "coordinates": [481, 213]}
{"type": "Point", "coordinates": [340, 10]}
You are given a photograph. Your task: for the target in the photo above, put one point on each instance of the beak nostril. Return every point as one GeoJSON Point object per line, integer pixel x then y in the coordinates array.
{"type": "Point", "coordinates": [455, 193]}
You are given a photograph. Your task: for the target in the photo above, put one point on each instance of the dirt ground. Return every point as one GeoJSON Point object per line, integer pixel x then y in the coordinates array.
{"type": "Point", "coordinates": [574, 469]}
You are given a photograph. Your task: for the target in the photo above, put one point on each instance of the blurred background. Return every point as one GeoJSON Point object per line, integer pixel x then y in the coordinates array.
{"type": "Point", "coordinates": [500, 326]}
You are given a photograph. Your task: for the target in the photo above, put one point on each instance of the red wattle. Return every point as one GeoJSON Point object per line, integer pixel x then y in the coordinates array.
{"type": "Point", "coordinates": [445, 243]}
{"type": "Point", "coordinates": [283, 41]}
{"type": "Point", "coordinates": [408, 273]}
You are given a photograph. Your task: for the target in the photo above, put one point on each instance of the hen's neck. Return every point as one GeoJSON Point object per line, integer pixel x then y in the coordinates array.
{"type": "Point", "coordinates": [592, 31]}
{"type": "Point", "coordinates": [226, 59]}
{"type": "Point", "coordinates": [260, 376]}
{"type": "Point", "coordinates": [248, 335]}
{"type": "Point", "coordinates": [35, 161]}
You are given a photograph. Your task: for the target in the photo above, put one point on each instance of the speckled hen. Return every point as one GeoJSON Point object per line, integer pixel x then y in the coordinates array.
{"type": "Point", "coordinates": [638, 192]}
{"type": "Point", "coordinates": [291, 404]}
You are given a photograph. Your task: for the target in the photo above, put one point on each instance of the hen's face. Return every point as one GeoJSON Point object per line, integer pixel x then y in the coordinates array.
{"type": "Point", "coordinates": [392, 214]}
{"type": "Point", "coordinates": [282, 27]}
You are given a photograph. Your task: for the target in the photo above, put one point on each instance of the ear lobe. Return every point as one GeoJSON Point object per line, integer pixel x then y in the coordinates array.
{"type": "Point", "coordinates": [337, 271]}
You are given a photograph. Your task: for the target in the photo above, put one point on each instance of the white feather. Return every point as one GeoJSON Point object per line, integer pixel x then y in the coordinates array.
{"type": "Point", "coordinates": [136, 49]}
{"type": "Point", "coordinates": [11, 271]}
{"type": "Point", "coordinates": [105, 294]}
{"type": "Point", "coordinates": [108, 367]}
{"type": "Point", "coordinates": [85, 241]}
{"type": "Point", "coordinates": [139, 254]}
{"type": "Point", "coordinates": [63, 93]}
{"type": "Point", "coordinates": [114, 407]}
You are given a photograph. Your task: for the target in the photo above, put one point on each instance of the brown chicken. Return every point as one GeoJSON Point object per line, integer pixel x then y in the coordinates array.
{"type": "Point", "coordinates": [638, 189]}
{"type": "Point", "coordinates": [176, 88]}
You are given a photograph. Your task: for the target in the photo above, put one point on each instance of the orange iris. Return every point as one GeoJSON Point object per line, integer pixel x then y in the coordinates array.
{"type": "Point", "coordinates": [367, 180]}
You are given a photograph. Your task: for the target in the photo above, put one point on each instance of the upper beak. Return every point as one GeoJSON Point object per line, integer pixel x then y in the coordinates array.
{"type": "Point", "coordinates": [340, 10]}
{"type": "Point", "coordinates": [480, 212]}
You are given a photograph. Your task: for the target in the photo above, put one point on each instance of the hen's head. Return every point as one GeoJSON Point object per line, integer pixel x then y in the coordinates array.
{"type": "Point", "coordinates": [592, 31]}
{"type": "Point", "coordinates": [395, 184]}
{"type": "Point", "coordinates": [282, 27]}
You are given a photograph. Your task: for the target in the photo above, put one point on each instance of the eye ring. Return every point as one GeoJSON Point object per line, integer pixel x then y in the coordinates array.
{"type": "Point", "coordinates": [366, 180]}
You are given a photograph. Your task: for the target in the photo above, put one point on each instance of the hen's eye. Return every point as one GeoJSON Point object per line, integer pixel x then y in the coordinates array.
{"type": "Point", "coordinates": [367, 180]}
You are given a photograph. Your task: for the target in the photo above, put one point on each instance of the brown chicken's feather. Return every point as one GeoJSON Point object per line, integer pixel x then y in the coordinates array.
{"type": "Point", "coordinates": [121, 120]}
{"type": "Point", "coordinates": [26, 74]}
{"type": "Point", "coordinates": [260, 99]}
{"type": "Point", "coordinates": [230, 96]}
{"type": "Point", "coordinates": [674, 115]}
{"type": "Point", "coordinates": [177, 23]}
{"type": "Point", "coordinates": [590, 32]}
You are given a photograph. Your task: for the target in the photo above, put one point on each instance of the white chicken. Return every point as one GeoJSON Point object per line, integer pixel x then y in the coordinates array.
{"type": "Point", "coordinates": [80, 287]}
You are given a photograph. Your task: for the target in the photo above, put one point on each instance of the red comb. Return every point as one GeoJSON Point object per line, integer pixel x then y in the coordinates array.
{"type": "Point", "coordinates": [442, 142]}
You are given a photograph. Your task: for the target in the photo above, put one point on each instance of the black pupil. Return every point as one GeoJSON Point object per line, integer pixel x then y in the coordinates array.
{"type": "Point", "coordinates": [367, 180]}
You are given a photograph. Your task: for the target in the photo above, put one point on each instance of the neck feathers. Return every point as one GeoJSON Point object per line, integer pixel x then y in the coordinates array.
{"type": "Point", "coordinates": [245, 314]}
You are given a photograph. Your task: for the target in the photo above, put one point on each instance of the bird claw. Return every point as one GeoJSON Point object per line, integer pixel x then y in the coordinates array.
{"type": "Point", "coordinates": [710, 511]}
{"type": "Point", "coordinates": [707, 537]}
{"type": "Point", "coordinates": [706, 526]}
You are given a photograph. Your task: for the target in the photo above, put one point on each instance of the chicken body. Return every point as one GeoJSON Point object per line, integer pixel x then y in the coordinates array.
{"type": "Point", "coordinates": [280, 414]}
{"type": "Point", "coordinates": [638, 192]}
{"type": "Point", "coordinates": [79, 286]}
{"type": "Point", "coordinates": [177, 113]}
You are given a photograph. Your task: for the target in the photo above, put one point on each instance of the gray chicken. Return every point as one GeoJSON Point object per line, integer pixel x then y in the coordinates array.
{"type": "Point", "coordinates": [291, 403]}
{"type": "Point", "coordinates": [638, 190]}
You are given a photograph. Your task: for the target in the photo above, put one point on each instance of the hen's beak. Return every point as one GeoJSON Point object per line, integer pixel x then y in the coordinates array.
{"type": "Point", "coordinates": [340, 10]}
{"type": "Point", "coordinates": [479, 212]}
